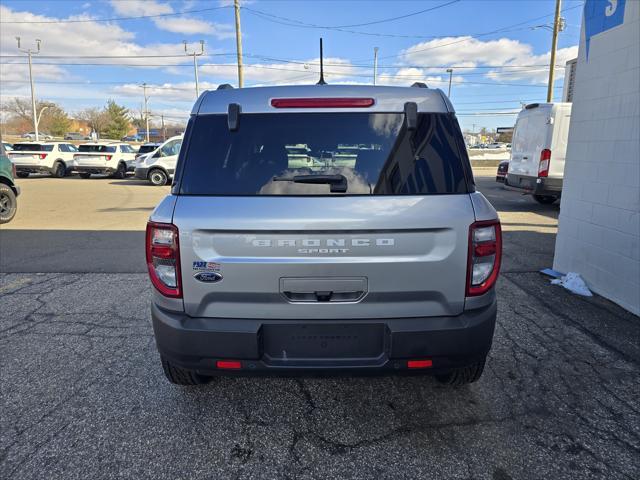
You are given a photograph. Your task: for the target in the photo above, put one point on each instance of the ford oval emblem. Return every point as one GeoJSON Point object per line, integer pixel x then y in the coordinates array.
{"type": "Point", "coordinates": [208, 277]}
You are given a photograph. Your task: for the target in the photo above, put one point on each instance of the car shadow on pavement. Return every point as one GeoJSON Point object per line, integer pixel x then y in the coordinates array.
{"type": "Point", "coordinates": [115, 251]}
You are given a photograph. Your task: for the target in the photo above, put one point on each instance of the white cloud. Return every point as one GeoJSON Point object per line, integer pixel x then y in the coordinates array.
{"type": "Point", "coordinates": [133, 8]}
{"type": "Point", "coordinates": [182, 91]}
{"type": "Point", "coordinates": [184, 25]}
{"type": "Point", "coordinates": [471, 52]}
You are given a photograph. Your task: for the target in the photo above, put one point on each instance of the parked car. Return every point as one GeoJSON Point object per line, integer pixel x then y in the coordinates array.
{"type": "Point", "coordinates": [132, 138]}
{"type": "Point", "coordinates": [501, 174]}
{"type": "Point", "coordinates": [538, 151]}
{"type": "Point", "coordinates": [54, 158]}
{"type": "Point", "coordinates": [9, 191]}
{"type": "Point", "coordinates": [107, 158]}
{"type": "Point", "coordinates": [387, 264]}
{"type": "Point", "coordinates": [160, 165]}
{"type": "Point", "coordinates": [76, 136]}
{"type": "Point", "coordinates": [147, 148]}
{"type": "Point", "coordinates": [41, 136]}
{"type": "Point", "coordinates": [7, 146]}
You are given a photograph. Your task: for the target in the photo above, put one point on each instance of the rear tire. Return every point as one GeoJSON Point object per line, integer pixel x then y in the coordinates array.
{"type": "Point", "coordinates": [8, 203]}
{"type": "Point", "coordinates": [22, 174]}
{"type": "Point", "coordinates": [121, 172]}
{"type": "Point", "coordinates": [157, 177]}
{"type": "Point", "coordinates": [85, 175]}
{"type": "Point", "coordinates": [463, 375]}
{"type": "Point", "coordinates": [181, 376]}
{"type": "Point", "coordinates": [59, 170]}
{"type": "Point", "coordinates": [545, 199]}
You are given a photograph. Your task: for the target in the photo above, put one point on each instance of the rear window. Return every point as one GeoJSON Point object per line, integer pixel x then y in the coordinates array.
{"type": "Point", "coordinates": [294, 153]}
{"type": "Point", "coordinates": [96, 149]}
{"type": "Point", "coordinates": [147, 148]}
{"type": "Point", "coordinates": [32, 147]}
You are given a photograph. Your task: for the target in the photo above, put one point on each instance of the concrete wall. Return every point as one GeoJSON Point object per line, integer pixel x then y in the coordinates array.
{"type": "Point", "coordinates": [599, 225]}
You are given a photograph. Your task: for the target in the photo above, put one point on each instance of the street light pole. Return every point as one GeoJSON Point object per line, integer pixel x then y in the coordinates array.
{"type": "Point", "coordinates": [236, 7]}
{"type": "Point", "coordinates": [195, 62]}
{"type": "Point", "coordinates": [30, 52]}
{"type": "Point", "coordinates": [554, 45]}
{"type": "Point", "coordinates": [450, 72]}
{"type": "Point", "coordinates": [146, 111]}
{"type": "Point", "coordinates": [375, 64]}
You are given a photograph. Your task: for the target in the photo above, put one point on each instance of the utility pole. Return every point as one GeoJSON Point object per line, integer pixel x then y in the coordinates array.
{"type": "Point", "coordinates": [30, 52]}
{"type": "Point", "coordinates": [375, 64]}
{"type": "Point", "coordinates": [164, 132]}
{"type": "Point", "coordinates": [450, 72]}
{"type": "Point", "coordinates": [195, 62]}
{"type": "Point", "coordinates": [554, 45]}
{"type": "Point", "coordinates": [146, 111]}
{"type": "Point", "coordinates": [236, 7]}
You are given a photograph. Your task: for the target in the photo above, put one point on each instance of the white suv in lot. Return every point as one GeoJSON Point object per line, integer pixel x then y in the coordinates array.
{"type": "Point", "coordinates": [160, 165]}
{"type": "Point", "coordinates": [110, 158]}
{"type": "Point", "coordinates": [55, 158]}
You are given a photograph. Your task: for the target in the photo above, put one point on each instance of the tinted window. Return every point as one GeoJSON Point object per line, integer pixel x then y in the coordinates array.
{"type": "Point", "coordinates": [374, 152]}
{"type": "Point", "coordinates": [147, 148]}
{"type": "Point", "coordinates": [32, 147]}
{"type": "Point", "coordinates": [97, 148]}
{"type": "Point", "coordinates": [126, 149]}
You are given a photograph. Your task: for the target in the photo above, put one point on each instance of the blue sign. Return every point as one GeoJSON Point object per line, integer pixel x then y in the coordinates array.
{"type": "Point", "coordinates": [600, 16]}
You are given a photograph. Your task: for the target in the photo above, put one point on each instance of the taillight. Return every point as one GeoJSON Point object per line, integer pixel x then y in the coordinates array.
{"type": "Point", "coordinates": [163, 258]}
{"type": "Point", "coordinates": [485, 252]}
{"type": "Point", "coordinates": [322, 102]}
{"type": "Point", "coordinates": [42, 156]}
{"type": "Point", "coordinates": [545, 159]}
{"type": "Point", "coordinates": [109, 157]}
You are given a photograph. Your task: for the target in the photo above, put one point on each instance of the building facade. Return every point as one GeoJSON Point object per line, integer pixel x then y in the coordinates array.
{"type": "Point", "coordinates": [599, 224]}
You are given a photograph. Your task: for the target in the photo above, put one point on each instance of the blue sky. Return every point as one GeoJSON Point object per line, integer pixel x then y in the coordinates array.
{"type": "Point", "coordinates": [498, 49]}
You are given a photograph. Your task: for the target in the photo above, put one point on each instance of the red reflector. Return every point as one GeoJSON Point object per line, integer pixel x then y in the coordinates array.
{"type": "Point", "coordinates": [321, 102]}
{"type": "Point", "coordinates": [161, 251]}
{"type": "Point", "coordinates": [485, 249]}
{"type": "Point", "coordinates": [419, 363]}
{"type": "Point", "coordinates": [229, 364]}
{"type": "Point", "coordinates": [109, 157]}
{"type": "Point", "coordinates": [43, 156]}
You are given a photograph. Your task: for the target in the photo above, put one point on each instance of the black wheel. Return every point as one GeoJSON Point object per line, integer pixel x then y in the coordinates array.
{"type": "Point", "coordinates": [463, 375]}
{"type": "Point", "coordinates": [158, 177]}
{"type": "Point", "coordinates": [121, 172]}
{"type": "Point", "coordinates": [545, 199]}
{"type": "Point", "coordinates": [8, 203]}
{"type": "Point", "coordinates": [180, 376]}
{"type": "Point", "coordinates": [22, 174]}
{"type": "Point", "coordinates": [59, 170]}
{"type": "Point", "coordinates": [85, 175]}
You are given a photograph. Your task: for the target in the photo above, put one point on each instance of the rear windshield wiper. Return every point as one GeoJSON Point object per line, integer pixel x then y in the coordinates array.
{"type": "Point", "coordinates": [337, 182]}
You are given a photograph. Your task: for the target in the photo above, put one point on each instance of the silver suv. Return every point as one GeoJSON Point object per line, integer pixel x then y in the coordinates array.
{"type": "Point", "coordinates": [323, 229]}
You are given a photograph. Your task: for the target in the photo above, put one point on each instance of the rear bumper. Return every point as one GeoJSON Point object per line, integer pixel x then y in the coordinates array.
{"type": "Point", "coordinates": [535, 185]}
{"type": "Point", "coordinates": [94, 169]}
{"type": "Point", "coordinates": [262, 345]}
{"type": "Point", "coordinates": [32, 168]}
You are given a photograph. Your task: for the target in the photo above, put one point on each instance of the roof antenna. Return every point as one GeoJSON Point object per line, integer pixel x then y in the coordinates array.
{"type": "Point", "coordinates": [321, 81]}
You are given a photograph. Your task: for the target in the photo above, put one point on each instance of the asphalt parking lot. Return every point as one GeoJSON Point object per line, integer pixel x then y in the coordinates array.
{"type": "Point", "coordinates": [84, 396]}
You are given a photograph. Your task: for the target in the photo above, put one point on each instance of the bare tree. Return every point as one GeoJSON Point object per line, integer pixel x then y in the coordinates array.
{"type": "Point", "coordinates": [95, 117]}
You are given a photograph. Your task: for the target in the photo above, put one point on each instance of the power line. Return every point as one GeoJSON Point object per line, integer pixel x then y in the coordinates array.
{"type": "Point", "coordinates": [113, 19]}
{"type": "Point", "coordinates": [473, 37]}
{"type": "Point", "coordinates": [298, 23]}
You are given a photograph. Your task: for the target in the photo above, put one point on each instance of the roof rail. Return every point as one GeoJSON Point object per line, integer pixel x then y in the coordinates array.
{"type": "Point", "coordinates": [420, 85]}
{"type": "Point", "coordinates": [224, 86]}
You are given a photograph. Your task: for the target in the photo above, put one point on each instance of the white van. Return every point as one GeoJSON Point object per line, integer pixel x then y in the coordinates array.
{"type": "Point", "coordinates": [160, 165]}
{"type": "Point", "coordinates": [538, 150]}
